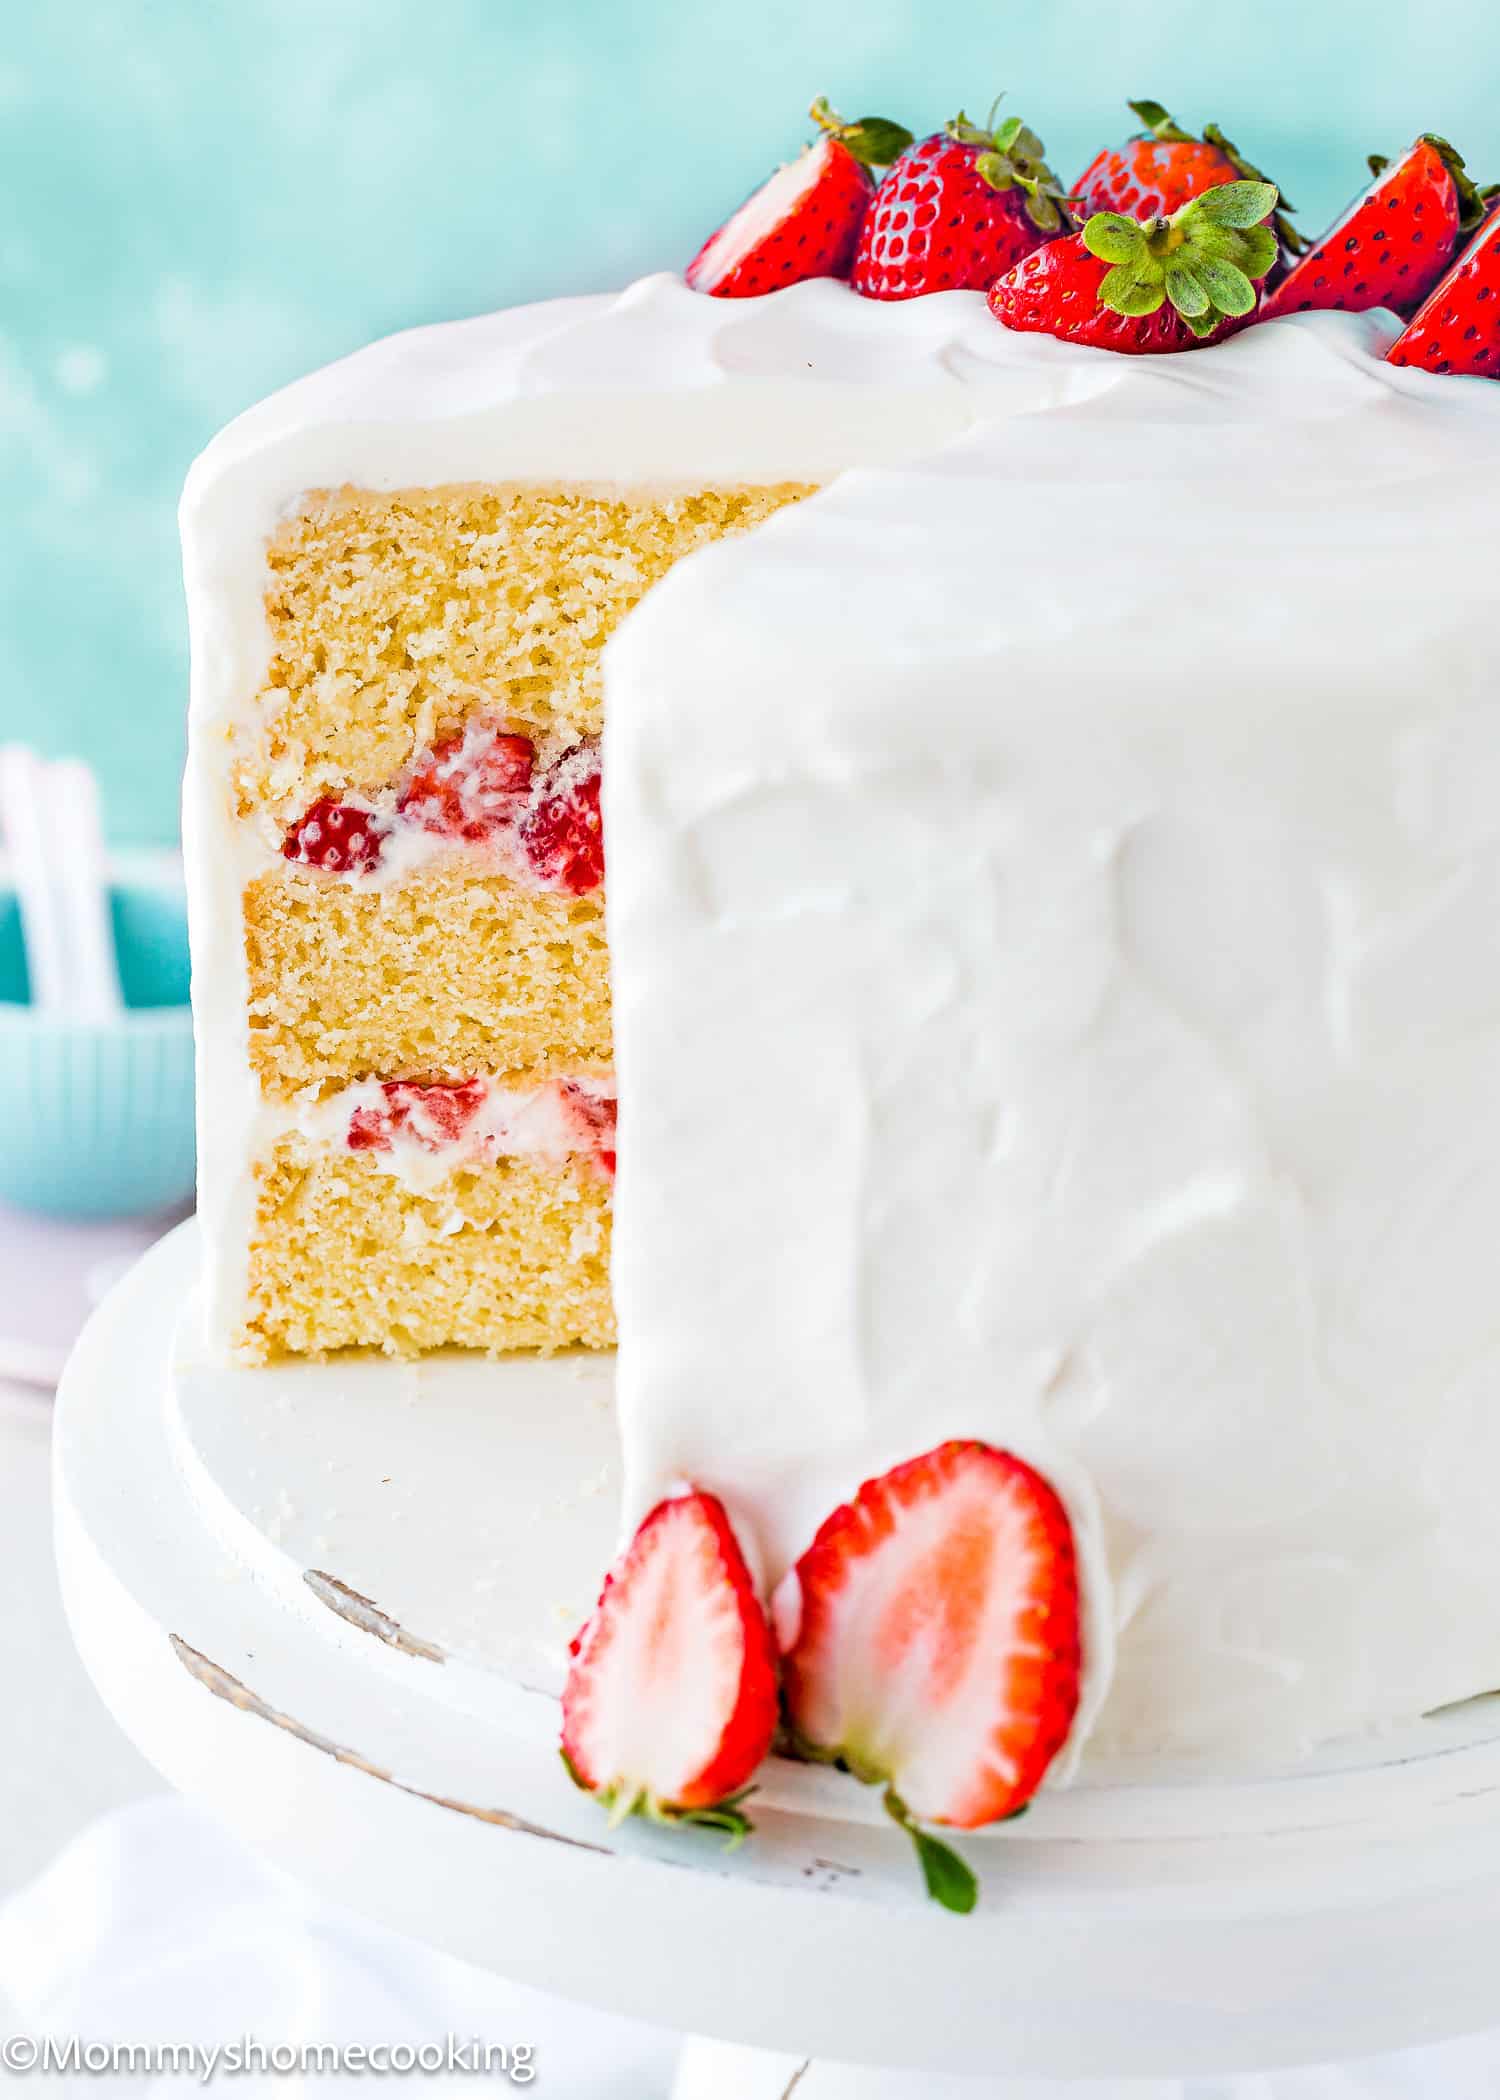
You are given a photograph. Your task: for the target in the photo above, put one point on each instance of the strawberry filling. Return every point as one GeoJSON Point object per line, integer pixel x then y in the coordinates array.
{"type": "Point", "coordinates": [563, 831]}
{"type": "Point", "coordinates": [433, 1115]}
{"type": "Point", "coordinates": [481, 789]}
{"type": "Point", "coordinates": [476, 1121]}
{"type": "Point", "coordinates": [471, 786]}
{"type": "Point", "coordinates": [596, 1113]}
{"type": "Point", "coordinates": [339, 837]}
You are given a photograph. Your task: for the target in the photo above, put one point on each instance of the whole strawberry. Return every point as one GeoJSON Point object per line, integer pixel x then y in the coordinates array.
{"type": "Point", "coordinates": [956, 210]}
{"type": "Point", "coordinates": [804, 220]}
{"type": "Point", "coordinates": [1393, 243]}
{"type": "Point", "coordinates": [1163, 167]}
{"type": "Point", "coordinates": [1168, 284]}
{"type": "Point", "coordinates": [1457, 327]}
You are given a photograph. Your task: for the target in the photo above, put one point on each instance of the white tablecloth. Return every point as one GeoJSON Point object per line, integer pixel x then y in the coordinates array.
{"type": "Point", "coordinates": [154, 1926]}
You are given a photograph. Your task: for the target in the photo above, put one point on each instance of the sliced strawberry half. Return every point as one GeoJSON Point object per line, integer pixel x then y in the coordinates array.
{"type": "Point", "coordinates": [470, 785]}
{"type": "Point", "coordinates": [594, 1110]}
{"type": "Point", "coordinates": [1393, 243]}
{"type": "Point", "coordinates": [805, 219]}
{"type": "Point", "coordinates": [342, 838]}
{"type": "Point", "coordinates": [563, 830]}
{"type": "Point", "coordinates": [930, 1644]}
{"type": "Point", "coordinates": [1457, 327]}
{"type": "Point", "coordinates": [432, 1112]}
{"type": "Point", "coordinates": [671, 1701]}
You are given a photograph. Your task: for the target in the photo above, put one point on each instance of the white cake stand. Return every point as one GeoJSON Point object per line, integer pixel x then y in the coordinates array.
{"type": "Point", "coordinates": [331, 1603]}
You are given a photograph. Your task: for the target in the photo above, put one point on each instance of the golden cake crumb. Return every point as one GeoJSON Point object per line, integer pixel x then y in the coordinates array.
{"type": "Point", "coordinates": [453, 972]}
{"type": "Point", "coordinates": [394, 617]}
{"type": "Point", "coordinates": [505, 1256]}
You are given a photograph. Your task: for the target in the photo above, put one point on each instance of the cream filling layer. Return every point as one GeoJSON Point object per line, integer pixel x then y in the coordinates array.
{"type": "Point", "coordinates": [465, 801]}
{"type": "Point", "coordinates": [421, 1133]}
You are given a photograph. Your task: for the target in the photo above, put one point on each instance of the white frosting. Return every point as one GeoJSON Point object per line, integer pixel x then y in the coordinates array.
{"type": "Point", "coordinates": [1077, 919]}
{"type": "Point", "coordinates": [1051, 946]}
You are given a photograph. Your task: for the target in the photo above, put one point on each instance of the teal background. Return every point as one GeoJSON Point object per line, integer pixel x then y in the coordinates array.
{"type": "Point", "coordinates": [200, 199]}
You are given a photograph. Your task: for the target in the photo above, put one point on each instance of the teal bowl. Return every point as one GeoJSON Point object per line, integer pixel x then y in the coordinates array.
{"type": "Point", "coordinates": [96, 1117]}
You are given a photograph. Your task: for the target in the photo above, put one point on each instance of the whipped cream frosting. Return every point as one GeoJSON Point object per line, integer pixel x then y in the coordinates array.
{"type": "Point", "coordinates": [1077, 916]}
{"type": "Point", "coordinates": [1068, 901]}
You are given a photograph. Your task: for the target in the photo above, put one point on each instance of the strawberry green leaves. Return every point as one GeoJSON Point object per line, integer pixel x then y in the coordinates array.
{"type": "Point", "coordinates": [1236, 205]}
{"type": "Point", "coordinates": [727, 1816]}
{"type": "Point", "coordinates": [874, 141]}
{"type": "Point", "coordinates": [1472, 202]}
{"type": "Point", "coordinates": [1158, 124]}
{"type": "Point", "coordinates": [1015, 158]}
{"type": "Point", "coordinates": [1204, 261]}
{"type": "Point", "coordinates": [946, 1875]}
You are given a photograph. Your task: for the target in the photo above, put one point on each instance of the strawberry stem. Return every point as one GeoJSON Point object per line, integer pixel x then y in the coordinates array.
{"type": "Point", "coordinates": [624, 1805]}
{"type": "Point", "coordinates": [1159, 125]}
{"type": "Point", "coordinates": [733, 1822]}
{"type": "Point", "coordinates": [623, 1802]}
{"type": "Point", "coordinates": [1292, 242]}
{"type": "Point", "coordinates": [1205, 260]}
{"type": "Point", "coordinates": [874, 141]}
{"type": "Point", "coordinates": [949, 1880]}
{"type": "Point", "coordinates": [1014, 158]}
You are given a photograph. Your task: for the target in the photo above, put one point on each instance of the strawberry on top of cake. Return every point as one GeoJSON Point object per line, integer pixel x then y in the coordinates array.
{"type": "Point", "coordinates": [1166, 242]}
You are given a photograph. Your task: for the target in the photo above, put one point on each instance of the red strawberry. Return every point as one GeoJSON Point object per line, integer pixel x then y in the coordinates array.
{"type": "Point", "coordinates": [472, 784]}
{"type": "Point", "coordinates": [956, 210]}
{"type": "Point", "coordinates": [671, 1701]}
{"type": "Point", "coordinates": [1393, 243]}
{"type": "Point", "coordinates": [563, 832]}
{"type": "Point", "coordinates": [434, 1112]}
{"type": "Point", "coordinates": [595, 1112]}
{"type": "Point", "coordinates": [1164, 167]}
{"type": "Point", "coordinates": [1169, 284]}
{"type": "Point", "coordinates": [804, 220]}
{"type": "Point", "coordinates": [1457, 329]}
{"type": "Point", "coordinates": [930, 1643]}
{"type": "Point", "coordinates": [339, 837]}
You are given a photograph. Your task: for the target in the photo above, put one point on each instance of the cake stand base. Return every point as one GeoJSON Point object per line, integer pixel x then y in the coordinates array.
{"type": "Point", "coordinates": [719, 2071]}
{"type": "Point", "coordinates": [331, 1603]}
